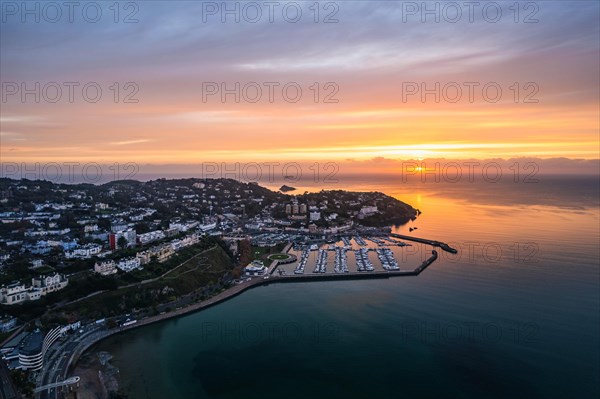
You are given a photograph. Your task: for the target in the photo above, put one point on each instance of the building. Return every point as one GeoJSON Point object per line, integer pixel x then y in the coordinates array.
{"type": "Point", "coordinates": [13, 293]}
{"type": "Point", "coordinates": [302, 208]}
{"type": "Point", "coordinates": [34, 347]}
{"type": "Point", "coordinates": [170, 232]}
{"type": "Point", "coordinates": [160, 252]}
{"type": "Point", "coordinates": [368, 211]}
{"type": "Point", "coordinates": [4, 257]}
{"type": "Point", "coordinates": [49, 284]}
{"type": "Point", "coordinates": [31, 356]}
{"type": "Point", "coordinates": [256, 268]}
{"type": "Point", "coordinates": [102, 206]}
{"type": "Point", "coordinates": [129, 264]}
{"type": "Point", "coordinates": [315, 215]}
{"type": "Point", "coordinates": [207, 226]}
{"type": "Point", "coordinates": [10, 350]}
{"type": "Point", "coordinates": [84, 252]}
{"type": "Point", "coordinates": [88, 228]}
{"type": "Point", "coordinates": [150, 237]}
{"type": "Point", "coordinates": [185, 242]}
{"type": "Point", "coordinates": [105, 268]}
{"type": "Point", "coordinates": [129, 235]}
{"type": "Point", "coordinates": [7, 323]}
{"type": "Point", "coordinates": [183, 226]}
{"type": "Point", "coordinates": [17, 292]}
{"type": "Point", "coordinates": [119, 226]}
{"type": "Point", "coordinates": [66, 245]}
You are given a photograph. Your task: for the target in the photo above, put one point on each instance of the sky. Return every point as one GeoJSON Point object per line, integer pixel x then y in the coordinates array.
{"type": "Point", "coordinates": [368, 82]}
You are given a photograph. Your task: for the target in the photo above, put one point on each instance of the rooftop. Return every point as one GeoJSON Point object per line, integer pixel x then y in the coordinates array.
{"type": "Point", "coordinates": [33, 343]}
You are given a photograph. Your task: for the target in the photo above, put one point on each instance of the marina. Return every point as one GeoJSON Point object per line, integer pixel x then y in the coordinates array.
{"type": "Point", "coordinates": [386, 257]}
{"type": "Point", "coordinates": [377, 274]}
{"type": "Point", "coordinates": [359, 240]}
{"type": "Point", "coordinates": [341, 260]}
{"type": "Point", "coordinates": [351, 254]}
{"type": "Point", "coordinates": [363, 263]}
{"type": "Point", "coordinates": [321, 266]}
{"type": "Point", "coordinates": [377, 241]}
{"type": "Point", "coordinates": [302, 263]}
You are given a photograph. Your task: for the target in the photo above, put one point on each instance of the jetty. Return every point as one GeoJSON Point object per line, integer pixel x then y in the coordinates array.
{"type": "Point", "coordinates": [433, 243]}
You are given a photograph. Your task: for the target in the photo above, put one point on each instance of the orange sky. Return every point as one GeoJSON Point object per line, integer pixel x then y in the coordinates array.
{"type": "Point", "coordinates": [553, 62]}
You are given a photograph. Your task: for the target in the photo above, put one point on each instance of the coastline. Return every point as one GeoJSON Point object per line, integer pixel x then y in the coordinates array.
{"type": "Point", "coordinates": [240, 288]}
{"type": "Point", "coordinates": [98, 377]}
{"type": "Point", "coordinates": [83, 351]}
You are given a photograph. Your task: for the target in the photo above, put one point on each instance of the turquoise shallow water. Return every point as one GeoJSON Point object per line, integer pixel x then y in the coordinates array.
{"type": "Point", "coordinates": [515, 314]}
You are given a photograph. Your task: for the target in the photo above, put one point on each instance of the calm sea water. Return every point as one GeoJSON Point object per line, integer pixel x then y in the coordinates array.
{"type": "Point", "coordinates": [514, 315]}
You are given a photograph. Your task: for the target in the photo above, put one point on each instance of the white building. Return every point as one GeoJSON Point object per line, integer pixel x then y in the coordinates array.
{"type": "Point", "coordinates": [50, 283]}
{"type": "Point", "coordinates": [315, 215]}
{"type": "Point", "coordinates": [17, 292]}
{"type": "Point", "coordinates": [105, 268]}
{"type": "Point", "coordinates": [207, 226]}
{"type": "Point", "coordinates": [179, 226]}
{"type": "Point", "coordinates": [256, 268]}
{"type": "Point", "coordinates": [90, 227]}
{"type": "Point", "coordinates": [368, 210]}
{"type": "Point", "coordinates": [331, 217]}
{"type": "Point", "coordinates": [151, 236]}
{"type": "Point", "coordinates": [129, 264]}
{"type": "Point", "coordinates": [84, 252]}
{"type": "Point", "coordinates": [13, 293]}
{"type": "Point", "coordinates": [184, 242]}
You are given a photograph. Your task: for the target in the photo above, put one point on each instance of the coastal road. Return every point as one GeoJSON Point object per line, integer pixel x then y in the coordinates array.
{"type": "Point", "coordinates": [68, 381]}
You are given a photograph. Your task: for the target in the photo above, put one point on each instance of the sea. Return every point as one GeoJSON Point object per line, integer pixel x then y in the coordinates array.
{"type": "Point", "coordinates": [514, 314]}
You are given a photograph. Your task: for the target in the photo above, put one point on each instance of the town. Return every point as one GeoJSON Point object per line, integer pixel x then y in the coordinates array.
{"type": "Point", "coordinates": [127, 225]}
{"type": "Point", "coordinates": [79, 261]}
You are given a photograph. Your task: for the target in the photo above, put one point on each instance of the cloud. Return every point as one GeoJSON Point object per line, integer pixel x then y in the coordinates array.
{"type": "Point", "coordinates": [129, 142]}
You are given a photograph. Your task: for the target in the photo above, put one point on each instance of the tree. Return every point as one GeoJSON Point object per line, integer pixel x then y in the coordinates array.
{"type": "Point", "coordinates": [104, 224]}
{"type": "Point", "coordinates": [122, 242]}
{"type": "Point", "coordinates": [245, 251]}
{"type": "Point", "coordinates": [22, 383]}
{"type": "Point", "coordinates": [142, 228]}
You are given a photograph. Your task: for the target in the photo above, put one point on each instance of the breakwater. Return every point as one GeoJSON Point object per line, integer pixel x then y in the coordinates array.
{"type": "Point", "coordinates": [433, 243]}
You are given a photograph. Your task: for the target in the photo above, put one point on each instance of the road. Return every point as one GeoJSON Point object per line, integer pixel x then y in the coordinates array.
{"type": "Point", "coordinates": [68, 381]}
{"type": "Point", "coordinates": [56, 362]}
